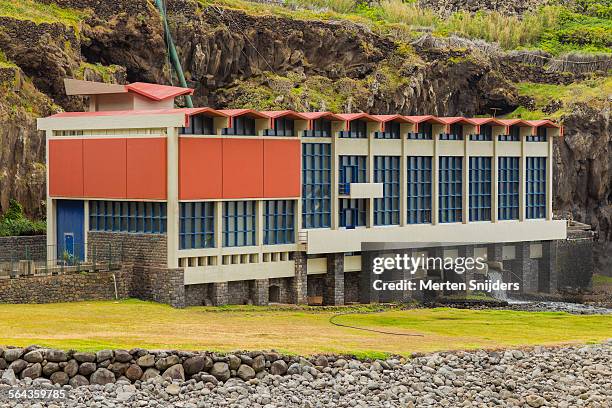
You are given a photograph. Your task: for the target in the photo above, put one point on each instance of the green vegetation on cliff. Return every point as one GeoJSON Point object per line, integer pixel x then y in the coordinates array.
{"type": "Point", "coordinates": [14, 222]}
{"type": "Point", "coordinates": [40, 13]}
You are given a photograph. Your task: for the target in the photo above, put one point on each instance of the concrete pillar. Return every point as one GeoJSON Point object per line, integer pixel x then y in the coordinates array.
{"type": "Point", "coordinates": [333, 291]}
{"type": "Point", "coordinates": [549, 264]}
{"type": "Point", "coordinates": [527, 268]}
{"type": "Point", "coordinates": [299, 284]}
{"type": "Point", "coordinates": [260, 292]}
{"type": "Point", "coordinates": [220, 293]}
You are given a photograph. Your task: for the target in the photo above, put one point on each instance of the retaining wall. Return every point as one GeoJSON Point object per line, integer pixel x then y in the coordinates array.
{"type": "Point", "coordinates": [14, 248]}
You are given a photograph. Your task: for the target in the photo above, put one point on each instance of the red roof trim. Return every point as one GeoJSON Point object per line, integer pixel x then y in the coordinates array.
{"type": "Point", "coordinates": [284, 113]}
{"type": "Point", "coordinates": [242, 112]}
{"type": "Point", "coordinates": [354, 116]}
{"type": "Point", "coordinates": [319, 115]}
{"type": "Point", "coordinates": [157, 92]}
{"type": "Point", "coordinates": [424, 118]}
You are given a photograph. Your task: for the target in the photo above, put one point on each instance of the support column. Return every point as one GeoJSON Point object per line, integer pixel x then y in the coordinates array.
{"type": "Point", "coordinates": [549, 264]}
{"type": "Point", "coordinates": [299, 286]}
{"type": "Point", "coordinates": [333, 292]}
{"type": "Point", "coordinates": [366, 278]}
{"type": "Point", "coordinates": [261, 292]}
{"type": "Point", "coordinates": [528, 268]}
{"type": "Point", "coordinates": [220, 293]}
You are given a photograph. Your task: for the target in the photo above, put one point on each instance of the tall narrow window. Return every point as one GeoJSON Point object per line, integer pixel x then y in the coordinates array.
{"type": "Point", "coordinates": [536, 187]}
{"type": "Point", "coordinates": [198, 125]}
{"type": "Point", "coordinates": [241, 126]}
{"type": "Point", "coordinates": [387, 171]}
{"type": "Point", "coordinates": [456, 132]}
{"type": "Point", "coordinates": [508, 188]}
{"type": "Point", "coordinates": [282, 127]}
{"type": "Point", "coordinates": [279, 222]}
{"type": "Point", "coordinates": [392, 131]}
{"type": "Point", "coordinates": [316, 185]}
{"type": "Point", "coordinates": [514, 135]}
{"type": "Point", "coordinates": [320, 128]}
{"type": "Point", "coordinates": [352, 212]}
{"type": "Point", "coordinates": [351, 169]}
{"type": "Point", "coordinates": [540, 136]}
{"type": "Point", "coordinates": [450, 189]}
{"type": "Point", "coordinates": [485, 135]}
{"type": "Point", "coordinates": [418, 189]}
{"type": "Point", "coordinates": [480, 188]}
{"type": "Point", "coordinates": [197, 225]}
{"type": "Point", "coordinates": [357, 129]}
{"type": "Point", "coordinates": [239, 223]}
{"type": "Point", "coordinates": [425, 132]}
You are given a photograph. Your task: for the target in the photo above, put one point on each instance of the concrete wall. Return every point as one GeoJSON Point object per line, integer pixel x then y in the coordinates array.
{"type": "Point", "coordinates": [14, 248]}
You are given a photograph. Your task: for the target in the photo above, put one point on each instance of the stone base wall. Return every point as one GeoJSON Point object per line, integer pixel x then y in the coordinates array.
{"type": "Point", "coordinates": [351, 287]}
{"type": "Point", "coordinates": [15, 248]}
{"type": "Point", "coordinates": [315, 285]}
{"type": "Point", "coordinates": [574, 264]}
{"type": "Point", "coordinates": [137, 249]}
{"type": "Point", "coordinates": [161, 285]}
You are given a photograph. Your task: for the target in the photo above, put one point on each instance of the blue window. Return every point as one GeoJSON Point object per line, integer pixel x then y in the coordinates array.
{"type": "Point", "coordinates": [241, 126]}
{"type": "Point", "coordinates": [513, 136]}
{"type": "Point", "coordinates": [480, 188]}
{"type": "Point", "coordinates": [456, 132]}
{"type": "Point", "coordinates": [357, 129]}
{"type": "Point", "coordinates": [392, 131]}
{"type": "Point", "coordinates": [198, 125]}
{"type": "Point", "coordinates": [128, 216]}
{"type": "Point", "coordinates": [425, 132]}
{"type": "Point", "coordinates": [197, 225]}
{"type": "Point", "coordinates": [279, 222]}
{"type": "Point", "coordinates": [239, 223]}
{"type": "Point", "coordinates": [282, 127]}
{"type": "Point", "coordinates": [451, 189]}
{"type": "Point", "coordinates": [508, 182]}
{"type": "Point", "coordinates": [352, 212]}
{"type": "Point", "coordinates": [540, 136]}
{"type": "Point", "coordinates": [320, 128]}
{"type": "Point", "coordinates": [352, 169]}
{"type": "Point", "coordinates": [418, 189]}
{"type": "Point", "coordinates": [387, 171]}
{"type": "Point", "coordinates": [316, 185]}
{"type": "Point", "coordinates": [536, 187]}
{"type": "Point", "coordinates": [485, 135]}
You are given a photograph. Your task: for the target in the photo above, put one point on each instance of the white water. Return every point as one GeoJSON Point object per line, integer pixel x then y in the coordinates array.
{"type": "Point", "coordinates": [501, 294]}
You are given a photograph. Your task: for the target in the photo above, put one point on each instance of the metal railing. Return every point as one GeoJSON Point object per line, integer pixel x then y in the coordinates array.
{"type": "Point", "coordinates": [79, 258]}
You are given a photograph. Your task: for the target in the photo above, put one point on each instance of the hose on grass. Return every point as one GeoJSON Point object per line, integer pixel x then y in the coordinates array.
{"type": "Point", "coordinates": [333, 317]}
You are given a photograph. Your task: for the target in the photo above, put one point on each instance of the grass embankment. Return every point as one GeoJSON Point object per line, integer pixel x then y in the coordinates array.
{"type": "Point", "coordinates": [132, 323]}
{"type": "Point", "coordinates": [40, 13]}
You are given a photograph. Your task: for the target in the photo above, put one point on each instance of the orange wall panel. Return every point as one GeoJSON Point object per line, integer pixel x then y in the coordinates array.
{"type": "Point", "coordinates": [146, 168]}
{"type": "Point", "coordinates": [104, 168]}
{"type": "Point", "coordinates": [200, 168]}
{"type": "Point", "coordinates": [242, 168]}
{"type": "Point", "coordinates": [66, 168]}
{"type": "Point", "coordinates": [282, 167]}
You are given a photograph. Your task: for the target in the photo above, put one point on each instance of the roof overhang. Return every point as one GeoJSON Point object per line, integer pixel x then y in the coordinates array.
{"type": "Point", "coordinates": [321, 115]}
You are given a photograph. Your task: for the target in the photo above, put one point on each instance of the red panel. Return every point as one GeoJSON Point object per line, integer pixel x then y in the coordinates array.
{"type": "Point", "coordinates": [66, 168]}
{"type": "Point", "coordinates": [104, 164]}
{"type": "Point", "coordinates": [200, 168]}
{"type": "Point", "coordinates": [146, 168]}
{"type": "Point", "coordinates": [282, 168]}
{"type": "Point", "coordinates": [242, 168]}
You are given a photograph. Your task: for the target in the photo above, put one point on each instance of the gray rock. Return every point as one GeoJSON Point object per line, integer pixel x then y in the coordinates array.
{"type": "Point", "coordinates": [234, 361]}
{"type": "Point", "coordinates": [245, 372]}
{"type": "Point", "coordinates": [102, 376]}
{"type": "Point", "coordinates": [60, 377]}
{"type": "Point", "coordinates": [50, 368]}
{"type": "Point", "coordinates": [78, 381]}
{"type": "Point", "coordinates": [534, 400]}
{"type": "Point", "coordinates": [3, 364]}
{"type": "Point", "coordinates": [123, 356]}
{"type": "Point", "coordinates": [173, 389]}
{"type": "Point", "coordinates": [87, 368]}
{"type": "Point", "coordinates": [207, 378]}
{"type": "Point", "coordinates": [72, 368]}
{"type": "Point", "coordinates": [104, 355]}
{"type": "Point", "coordinates": [11, 355]}
{"type": "Point", "coordinates": [33, 357]}
{"type": "Point", "coordinates": [259, 363]}
{"type": "Point", "coordinates": [33, 371]}
{"type": "Point", "coordinates": [164, 363]}
{"type": "Point", "coordinates": [279, 367]}
{"type": "Point", "coordinates": [146, 361]}
{"type": "Point", "coordinates": [321, 361]}
{"type": "Point", "coordinates": [134, 372]}
{"type": "Point", "coordinates": [84, 357]}
{"type": "Point", "coordinates": [118, 368]}
{"type": "Point", "coordinates": [8, 377]}
{"type": "Point", "coordinates": [149, 374]}
{"type": "Point", "coordinates": [220, 371]}
{"type": "Point", "coordinates": [124, 396]}
{"type": "Point", "coordinates": [18, 366]}
{"type": "Point", "coordinates": [174, 372]}
{"type": "Point", "coordinates": [194, 365]}
{"type": "Point", "coordinates": [294, 368]}
{"type": "Point", "coordinates": [56, 356]}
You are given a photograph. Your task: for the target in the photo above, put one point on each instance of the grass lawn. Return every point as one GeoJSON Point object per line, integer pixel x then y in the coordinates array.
{"type": "Point", "coordinates": [133, 323]}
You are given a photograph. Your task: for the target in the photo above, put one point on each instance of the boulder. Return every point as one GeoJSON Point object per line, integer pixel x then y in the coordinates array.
{"type": "Point", "coordinates": [84, 357]}
{"type": "Point", "coordinates": [259, 363]}
{"type": "Point", "coordinates": [119, 368]}
{"type": "Point", "coordinates": [102, 376]}
{"type": "Point", "coordinates": [104, 355]}
{"type": "Point", "coordinates": [56, 356]}
{"type": "Point", "coordinates": [234, 361]}
{"type": "Point", "coordinates": [174, 372]}
{"type": "Point", "coordinates": [279, 367]}
{"type": "Point", "coordinates": [321, 361]}
{"type": "Point", "coordinates": [72, 368]}
{"type": "Point", "coordinates": [3, 364]}
{"type": "Point", "coordinates": [78, 381]}
{"type": "Point", "coordinates": [87, 368]}
{"type": "Point", "coordinates": [194, 365]}
{"type": "Point", "coordinates": [207, 378]}
{"type": "Point", "coordinates": [8, 376]}
{"type": "Point", "coordinates": [33, 371]}
{"type": "Point", "coordinates": [50, 368]}
{"type": "Point", "coordinates": [123, 356]}
{"type": "Point", "coordinates": [149, 374]}
{"type": "Point", "coordinates": [60, 377]}
{"type": "Point", "coordinates": [164, 363]}
{"type": "Point", "coordinates": [134, 372]}
{"type": "Point", "coordinates": [146, 361]}
{"type": "Point", "coordinates": [220, 371]}
{"type": "Point", "coordinates": [18, 365]}
{"type": "Point", "coordinates": [294, 368]}
{"type": "Point", "coordinates": [11, 355]}
{"type": "Point", "coordinates": [173, 389]}
{"type": "Point", "coordinates": [33, 357]}
{"type": "Point", "coordinates": [245, 372]}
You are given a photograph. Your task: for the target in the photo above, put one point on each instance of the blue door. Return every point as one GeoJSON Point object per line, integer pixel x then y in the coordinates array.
{"type": "Point", "coordinates": [70, 218]}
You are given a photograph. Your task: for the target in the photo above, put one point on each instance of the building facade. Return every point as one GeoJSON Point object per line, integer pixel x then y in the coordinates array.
{"type": "Point", "coordinates": [274, 206]}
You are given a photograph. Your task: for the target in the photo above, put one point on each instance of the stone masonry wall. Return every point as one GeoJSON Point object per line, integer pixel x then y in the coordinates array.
{"type": "Point", "coordinates": [161, 285]}
{"type": "Point", "coordinates": [139, 249]}
{"type": "Point", "coordinates": [14, 248]}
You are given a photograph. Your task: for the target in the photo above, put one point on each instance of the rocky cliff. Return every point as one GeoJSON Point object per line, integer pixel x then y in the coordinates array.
{"type": "Point", "coordinates": [246, 55]}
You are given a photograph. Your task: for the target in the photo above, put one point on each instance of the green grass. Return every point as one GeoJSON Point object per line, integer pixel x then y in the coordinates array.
{"type": "Point", "coordinates": [40, 13]}
{"type": "Point", "coordinates": [133, 323]}
{"type": "Point", "coordinates": [602, 280]}
{"type": "Point", "coordinates": [4, 61]}
{"type": "Point", "coordinates": [103, 71]}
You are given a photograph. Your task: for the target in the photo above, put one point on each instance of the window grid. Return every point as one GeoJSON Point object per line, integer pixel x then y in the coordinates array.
{"type": "Point", "coordinates": [456, 133]}
{"type": "Point", "coordinates": [282, 127]}
{"type": "Point", "coordinates": [197, 225]}
{"type": "Point", "coordinates": [387, 171]}
{"type": "Point", "coordinates": [536, 187]}
{"type": "Point", "coordinates": [451, 189]}
{"type": "Point", "coordinates": [480, 188]}
{"type": "Point", "coordinates": [279, 224]}
{"type": "Point", "coordinates": [352, 212]}
{"type": "Point", "coordinates": [316, 185]}
{"type": "Point", "coordinates": [540, 136]}
{"type": "Point", "coordinates": [320, 128]}
{"type": "Point", "coordinates": [358, 129]}
{"type": "Point", "coordinates": [239, 223]}
{"type": "Point", "coordinates": [241, 126]}
{"type": "Point", "coordinates": [425, 132]}
{"type": "Point", "coordinates": [352, 169]}
{"type": "Point", "coordinates": [144, 217]}
{"type": "Point", "coordinates": [513, 136]}
{"type": "Point", "coordinates": [392, 131]}
{"type": "Point", "coordinates": [419, 182]}
{"type": "Point", "coordinates": [508, 200]}
{"type": "Point", "coordinates": [485, 135]}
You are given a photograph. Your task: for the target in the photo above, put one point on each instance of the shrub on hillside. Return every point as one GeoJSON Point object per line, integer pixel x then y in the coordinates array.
{"type": "Point", "coordinates": [14, 222]}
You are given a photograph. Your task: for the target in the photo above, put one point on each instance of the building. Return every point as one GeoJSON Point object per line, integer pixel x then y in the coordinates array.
{"type": "Point", "coordinates": [274, 206]}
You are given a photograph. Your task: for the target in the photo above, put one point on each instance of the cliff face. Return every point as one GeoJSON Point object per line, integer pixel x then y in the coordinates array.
{"type": "Point", "coordinates": [270, 61]}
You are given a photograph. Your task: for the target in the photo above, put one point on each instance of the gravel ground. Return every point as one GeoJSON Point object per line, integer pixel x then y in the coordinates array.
{"type": "Point", "coordinates": [557, 377]}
